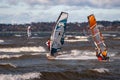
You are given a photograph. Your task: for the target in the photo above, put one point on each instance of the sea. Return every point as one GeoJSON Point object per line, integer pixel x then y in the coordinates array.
{"type": "Point", "coordinates": [23, 58]}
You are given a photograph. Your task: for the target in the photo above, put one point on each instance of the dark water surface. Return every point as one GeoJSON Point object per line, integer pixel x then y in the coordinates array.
{"type": "Point", "coordinates": [24, 59]}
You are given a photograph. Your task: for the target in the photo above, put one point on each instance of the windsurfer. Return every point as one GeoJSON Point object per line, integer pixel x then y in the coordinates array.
{"type": "Point", "coordinates": [104, 54]}
{"type": "Point", "coordinates": [98, 54]}
{"type": "Point", "coordinates": [48, 44]}
{"type": "Point", "coordinates": [101, 55]}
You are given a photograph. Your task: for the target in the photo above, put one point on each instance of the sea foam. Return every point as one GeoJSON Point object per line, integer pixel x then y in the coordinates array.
{"type": "Point", "coordinates": [23, 49]}
{"type": "Point", "coordinates": [77, 54]}
{"type": "Point", "coordinates": [24, 76]}
{"type": "Point", "coordinates": [101, 70]}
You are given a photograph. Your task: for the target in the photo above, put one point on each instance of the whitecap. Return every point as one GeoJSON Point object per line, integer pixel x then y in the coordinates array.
{"type": "Point", "coordinates": [1, 41]}
{"type": "Point", "coordinates": [77, 54]}
{"type": "Point", "coordinates": [24, 76]}
{"type": "Point", "coordinates": [8, 65]}
{"type": "Point", "coordinates": [6, 56]}
{"type": "Point", "coordinates": [9, 56]}
{"type": "Point", "coordinates": [23, 49]}
{"type": "Point", "coordinates": [76, 38]}
{"type": "Point", "coordinates": [101, 70]}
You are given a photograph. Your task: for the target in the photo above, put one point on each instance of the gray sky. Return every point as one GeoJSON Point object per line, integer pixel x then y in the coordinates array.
{"type": "Point", "coordinates": [26, 11]}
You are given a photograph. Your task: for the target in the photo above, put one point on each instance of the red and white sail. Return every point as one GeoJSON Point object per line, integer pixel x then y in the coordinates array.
{"type": "Point", "coordinates": [97, 36]}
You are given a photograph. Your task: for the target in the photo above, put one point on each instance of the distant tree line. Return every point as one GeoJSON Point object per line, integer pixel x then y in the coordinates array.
{"type": "Point", "coordinates": [48, 26]}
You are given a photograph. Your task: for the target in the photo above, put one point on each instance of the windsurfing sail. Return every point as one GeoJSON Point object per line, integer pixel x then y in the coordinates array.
{"type": "Point", "coordinates": [58, 34]}
{"type": "Point", "coordinates": [97, 37]}
{"type": "Point", "coordinates": [29, 31]}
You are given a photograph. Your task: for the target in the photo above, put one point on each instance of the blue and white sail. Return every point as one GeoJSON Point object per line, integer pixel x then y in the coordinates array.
{"type": "Point", "coordinates": [58, 34]}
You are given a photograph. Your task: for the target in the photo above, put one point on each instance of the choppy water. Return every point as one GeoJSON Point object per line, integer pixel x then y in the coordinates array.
{"type": "Point", "coordinates": [24, 59]}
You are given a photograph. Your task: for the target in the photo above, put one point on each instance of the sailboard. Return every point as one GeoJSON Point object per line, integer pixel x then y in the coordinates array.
{"type": "Point", "coordinates": [57, 36]}
{"type": "Point", "coordinates": [101, 49]}
{"type": "Point", "coordinates": [29, 31]}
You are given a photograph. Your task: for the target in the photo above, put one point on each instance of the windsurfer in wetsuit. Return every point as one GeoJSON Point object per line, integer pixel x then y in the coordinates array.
{"type": "Point", "coordinates": [104, 55]}
{"type": "Point", "coordinates": [48, 44]}
{"type": "Point", "coordinates": [101, 55]}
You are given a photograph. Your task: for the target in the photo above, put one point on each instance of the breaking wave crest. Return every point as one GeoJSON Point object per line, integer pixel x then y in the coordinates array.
{"type": "Point", "coordinates": [101, 70]}
{"type": "Point", "coordinates": [23, 49]}
{"type": "Point", "coordinates": [80, 54]}
{"type": "Point", "coordinates": [9, 56]}
{"type": "Point", "coordinates": [34, 51]}
{"type": "Point", "coordinates": [8, 53]}
{"type": "Point", "coordinates": [16, 56]}
{"type": "Point", "coordinates": [24, 76]}
{"type": "Point", "coordinates": [77, 54]}
{"type": "Point", "coordinates": [7, 65]}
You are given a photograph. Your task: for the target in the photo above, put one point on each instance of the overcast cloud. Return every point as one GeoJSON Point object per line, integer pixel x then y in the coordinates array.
{"type": "Point", "coordinates": [26, 11]}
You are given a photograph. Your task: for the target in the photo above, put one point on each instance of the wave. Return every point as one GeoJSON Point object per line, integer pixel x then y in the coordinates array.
{"type": "Point", "coordinates": [71, 57]}
{"type": "Point", "coordinates": [7, 65]}
{"type": "Point", "coordinates": [24, 76]}
{"type": "Point", "coordinates": [74, 75]}
{"type": "Point", "coordinates": [1, 41]}
{"type": "Point", "coordinates": [77, 54]}
{"type": "Point", "coordinates": [80, 55]}
{"type": "Point", "coordinates": [23, 49]}
{"type": "Point", "coordinates": [20, 52]}
{"type": "Point", "coordinates": [74, 54]}
{"type": "Point", "coordinates": [76, 38]}
{"type": "Point", "coordinates": [82, 52]}
{"type": "Point", "coordinates": [101, 70]}
{"type": "Point", "coordinates": [9, 56]}
{"type": "Point", "coordinates": [17, 56]}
